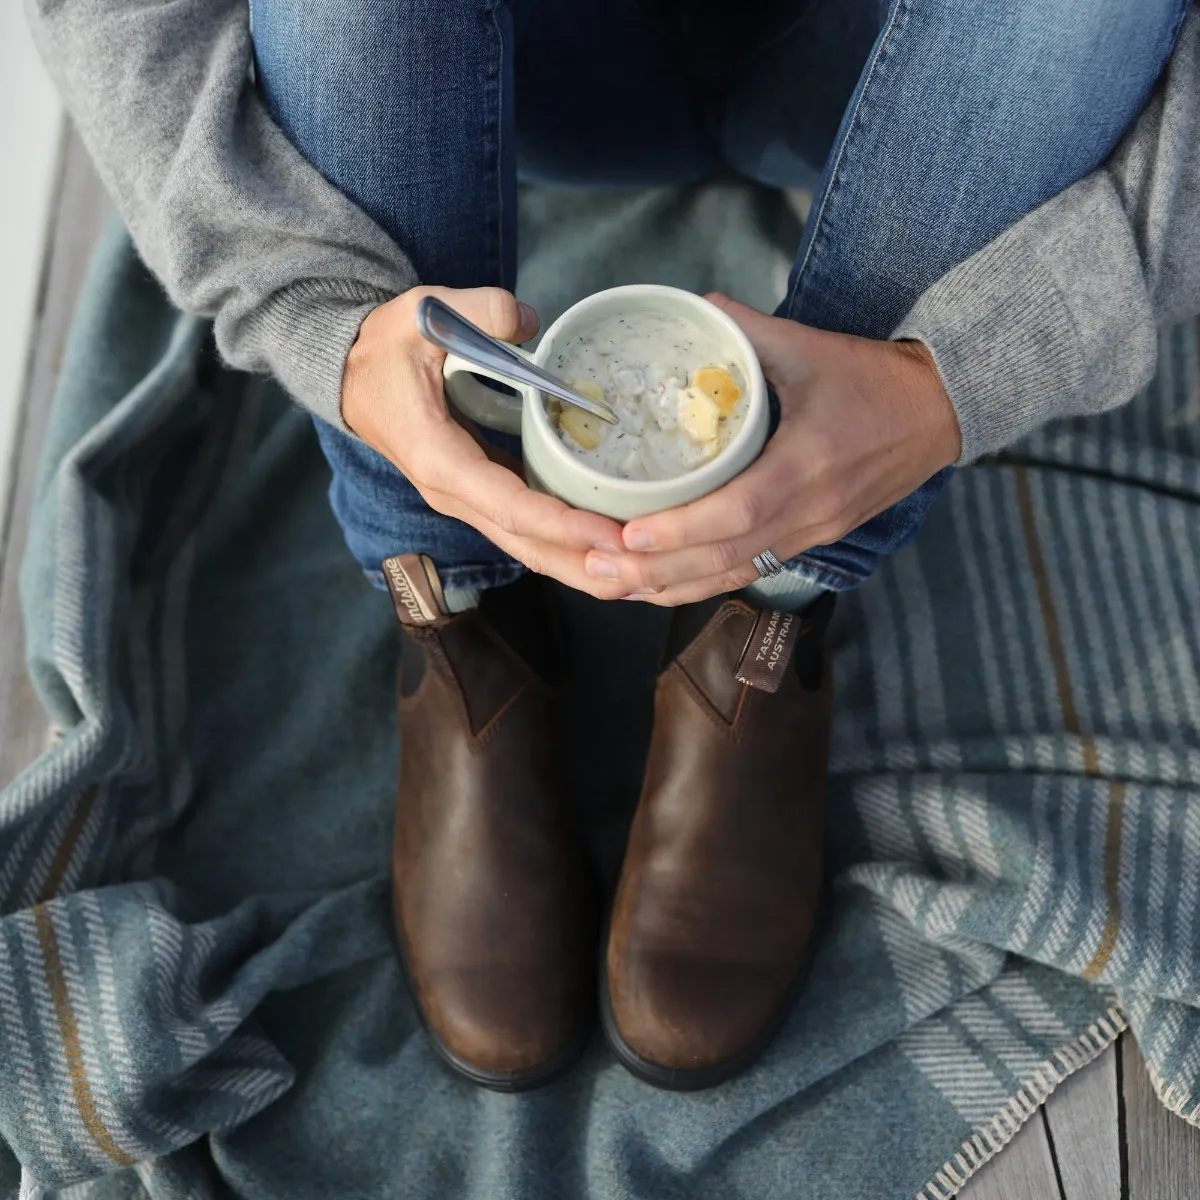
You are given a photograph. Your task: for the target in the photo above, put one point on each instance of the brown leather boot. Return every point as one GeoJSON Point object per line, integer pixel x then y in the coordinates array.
{"type": "Point", "coordinates": [493, 900]}
{"type": "Point", "coordinates": [722, 879]}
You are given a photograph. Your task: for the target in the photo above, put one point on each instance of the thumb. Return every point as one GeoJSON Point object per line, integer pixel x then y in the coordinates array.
{"type": "Point", "coordinates": [493, 309]}
{"type": "Point", "coordinates": [779, 343]}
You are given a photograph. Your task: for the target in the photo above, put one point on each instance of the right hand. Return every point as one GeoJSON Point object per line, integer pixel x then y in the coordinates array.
{"type": "Point", "coordinates": [392, 398]}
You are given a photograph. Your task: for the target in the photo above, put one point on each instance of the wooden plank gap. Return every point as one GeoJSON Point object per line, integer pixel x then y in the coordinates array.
{"type": "Point", "coordinates": [1122, 1116]}
{"type": "Point", "coordinates": [1058, 1175]}
{"type": "Point", "coordinates": [1023, 1170]}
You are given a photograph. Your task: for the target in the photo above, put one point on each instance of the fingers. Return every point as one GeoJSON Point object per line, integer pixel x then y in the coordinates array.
{"type": "Point", "coordinates": [688, 591]}
{"type": "Point", "coordinates": [497, 496]}
{"type": "Point", "coordinates": [670, 579]}
{"type": "Point", "coordinates": [779, 343]}
{"type": "Point", "coordinates": [544, 558]}
{"type": "Point", "coordinates": [749, 503]}
{"type": "Point", "coordinates": [696, 590]}
{"type": "Point", "coordinates": [718, 559]}
{"type": "Point", "coordinates": [459, 479]}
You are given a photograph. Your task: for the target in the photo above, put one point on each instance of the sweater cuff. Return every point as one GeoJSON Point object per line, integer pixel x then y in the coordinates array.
{"type": "Point", "coordinates": [1036, 325]}
{"type": "Point", "coordinates": [304, 333]}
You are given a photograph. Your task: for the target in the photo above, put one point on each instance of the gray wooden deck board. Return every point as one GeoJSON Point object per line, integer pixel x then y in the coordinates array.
{"type": "Point", "coordinates": [1082, 1121]}
{"type": "Point", "coordinates": [1163, 1150]}
{"type": "Point", "coordinates": [1077, 1133]}
{"type": "Point", "coordinates": [81, 210]}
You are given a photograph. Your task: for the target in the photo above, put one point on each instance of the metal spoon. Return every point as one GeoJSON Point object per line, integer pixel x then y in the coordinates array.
{"type": "Point", "coordinates": [451, 331]}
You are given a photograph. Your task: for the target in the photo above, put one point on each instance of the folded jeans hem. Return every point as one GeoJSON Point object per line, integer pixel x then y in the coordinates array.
{"type": "Point", "coordinates": [833, 579]}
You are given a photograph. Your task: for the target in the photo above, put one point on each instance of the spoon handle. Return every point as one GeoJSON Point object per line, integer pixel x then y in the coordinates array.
{"type": "Point", "coordinates": [452, 332]}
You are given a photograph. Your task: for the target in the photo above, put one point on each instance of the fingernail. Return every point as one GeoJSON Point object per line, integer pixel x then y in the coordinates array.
{"type": "Point", "coordinates": [607, 546]}
{"type": "Point", "coordinates": [643, 592]}
{"type": "Point", "coordinates": [639, 540]}
{"type": "Point", "coordinates": [601, 568]}
{"type": "Point", "coordinates": [528, 315]}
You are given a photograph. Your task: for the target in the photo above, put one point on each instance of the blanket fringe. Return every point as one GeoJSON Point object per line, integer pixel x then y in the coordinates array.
{"type": "Point", "coordinates": [1175, 1099]}
{"type": "Point", "coordinates": [990, 1138]}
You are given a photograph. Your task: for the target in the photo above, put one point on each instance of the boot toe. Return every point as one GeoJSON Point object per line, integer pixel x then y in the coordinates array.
{"type": "Point", "coordinates": [508, 1025]}
{"type": "Point", "coordinates": [689, 1015]}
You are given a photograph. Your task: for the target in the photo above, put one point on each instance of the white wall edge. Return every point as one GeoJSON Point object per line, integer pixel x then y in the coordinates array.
{"type": "Point", "coordinates": [31, 126]}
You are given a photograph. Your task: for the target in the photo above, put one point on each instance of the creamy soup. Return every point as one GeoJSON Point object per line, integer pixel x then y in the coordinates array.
{"type": "Point", "coordinates": [679, 398]}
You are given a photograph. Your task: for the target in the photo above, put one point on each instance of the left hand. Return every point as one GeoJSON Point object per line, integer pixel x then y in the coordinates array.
{"type": "Point", "coordinates": [863, 424]}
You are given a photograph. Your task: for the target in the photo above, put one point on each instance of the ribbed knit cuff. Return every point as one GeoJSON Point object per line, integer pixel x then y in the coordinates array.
{"type": "Point", "coordinates": [1001, 337]}
{"type": "Point", "coordinates": [1049, 320]}
{"type": "Point", "coordinates": [305, 332]}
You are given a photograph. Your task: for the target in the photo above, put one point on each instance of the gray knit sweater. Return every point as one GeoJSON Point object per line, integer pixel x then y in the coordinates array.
{"type": "Point", "coordinates": [1056, 317]}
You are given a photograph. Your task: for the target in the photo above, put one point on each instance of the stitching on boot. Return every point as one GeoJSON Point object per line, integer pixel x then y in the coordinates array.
{"type": "Point", "coordinates": [492, 725]}
{"type": "Point", "coordinates": [730, 609]}
{"type": "Point", "coordinates": [705, 705]}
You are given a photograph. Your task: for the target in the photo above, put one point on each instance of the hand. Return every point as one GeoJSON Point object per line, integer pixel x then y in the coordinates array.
{"type": "Point", "coordinates": [392, 398]}
{"type": "Point", "coordinates": [863, 424]}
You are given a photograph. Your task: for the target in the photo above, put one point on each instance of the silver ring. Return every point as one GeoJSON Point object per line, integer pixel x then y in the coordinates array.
{"type": "Point", "coordinates": [767, 565]}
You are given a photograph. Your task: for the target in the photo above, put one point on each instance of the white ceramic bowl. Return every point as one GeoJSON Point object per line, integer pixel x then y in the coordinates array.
{"type": "Point", "coordinates": [552, 467]}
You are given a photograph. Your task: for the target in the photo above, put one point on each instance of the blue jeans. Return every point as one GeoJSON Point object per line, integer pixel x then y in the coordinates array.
{"type": "Point", "coordinates": [926, 127]}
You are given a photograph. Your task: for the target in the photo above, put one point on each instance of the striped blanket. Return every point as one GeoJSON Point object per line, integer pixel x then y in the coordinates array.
{"type": "Point", "coordinates": [197, 992]}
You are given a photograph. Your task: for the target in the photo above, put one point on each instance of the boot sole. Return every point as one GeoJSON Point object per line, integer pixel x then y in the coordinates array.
{"type": "Point", "coordinates": [693, 1079]}
{"type": "Point", "coordinates": [509, 1082]}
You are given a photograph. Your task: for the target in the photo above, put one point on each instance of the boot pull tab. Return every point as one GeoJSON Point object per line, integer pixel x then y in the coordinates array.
{"type": "Point", "coordinates": [416, 589]}
{"type": "Point", "coordinates": [768, 650]}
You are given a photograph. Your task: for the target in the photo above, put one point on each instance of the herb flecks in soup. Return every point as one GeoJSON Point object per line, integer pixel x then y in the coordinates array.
{"type": "Point", "coordinates": [679, 398]}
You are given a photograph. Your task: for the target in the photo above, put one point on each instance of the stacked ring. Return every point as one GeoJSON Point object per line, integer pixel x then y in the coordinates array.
{"type": "Point", "coordinates": [767, 565]}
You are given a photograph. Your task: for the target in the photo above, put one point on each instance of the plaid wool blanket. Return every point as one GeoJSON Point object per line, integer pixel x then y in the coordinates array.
{"type": "Point", "coordinates": [198, 996]}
